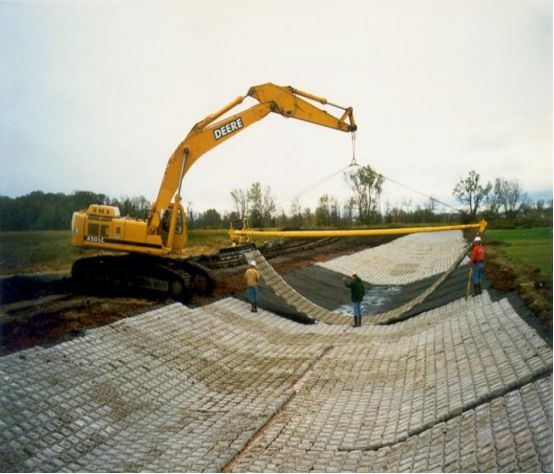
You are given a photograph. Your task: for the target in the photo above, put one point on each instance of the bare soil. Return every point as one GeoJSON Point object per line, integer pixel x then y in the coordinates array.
{"type": "Point", "coordinates": [530, 284]}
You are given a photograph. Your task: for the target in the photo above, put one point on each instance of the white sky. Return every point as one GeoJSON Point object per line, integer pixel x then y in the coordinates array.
{"type": "Point", "coordinates": [97, 95]}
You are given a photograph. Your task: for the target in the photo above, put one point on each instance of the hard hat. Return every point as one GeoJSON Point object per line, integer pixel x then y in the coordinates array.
{"type": "Point", "coordinates": [252, 263]}
{"type": "Point", "coordinates": [477, 239]}
{"type": "Point", "coordinates": [354, 274]}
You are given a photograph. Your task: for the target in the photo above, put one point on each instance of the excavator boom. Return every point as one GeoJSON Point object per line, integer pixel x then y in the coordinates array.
{"type": "Point", "coordinates": [206, 134]}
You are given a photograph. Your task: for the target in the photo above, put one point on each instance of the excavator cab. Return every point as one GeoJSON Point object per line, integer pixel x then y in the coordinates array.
{"type": "Point", "coordinates": [180, 236]}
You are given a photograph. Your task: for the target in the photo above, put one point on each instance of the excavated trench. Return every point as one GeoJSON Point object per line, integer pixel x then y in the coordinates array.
{"type": "Point", "coordinates": [458, 385]}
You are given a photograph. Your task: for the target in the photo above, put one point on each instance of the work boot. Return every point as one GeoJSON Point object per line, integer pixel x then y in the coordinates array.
{"type": "Point", "coordinates": [254, 308]}
{"type": "Point", "coordinates": [479, 290]}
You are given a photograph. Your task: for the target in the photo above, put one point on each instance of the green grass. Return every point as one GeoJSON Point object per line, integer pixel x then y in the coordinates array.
{"type": "Point", "coordinates": [208, 237]}
{"type": "Point", "coordinates": [51, 251]}
{"type": "Point", "coordinates": [39, 250]}
{"type": "Point", "coordinates": [526, 247]}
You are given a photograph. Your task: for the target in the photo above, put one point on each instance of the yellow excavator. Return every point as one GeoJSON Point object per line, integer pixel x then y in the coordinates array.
{"type": "Point", "coordinates": [153, 249]}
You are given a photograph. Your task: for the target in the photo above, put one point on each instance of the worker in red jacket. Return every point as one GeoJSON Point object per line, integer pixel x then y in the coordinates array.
{"type": "Point", "coordinates": [478, 263]}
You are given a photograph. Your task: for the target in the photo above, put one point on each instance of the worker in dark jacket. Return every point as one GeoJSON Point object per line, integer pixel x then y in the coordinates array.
{"type": "Point", "coordinates": [357, 293]}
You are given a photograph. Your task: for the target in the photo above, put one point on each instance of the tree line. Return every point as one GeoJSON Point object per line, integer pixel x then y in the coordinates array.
{"type": "Point", "coordinates": [501, 199]}
{"type": "Point", "coordinates": [53, 211]}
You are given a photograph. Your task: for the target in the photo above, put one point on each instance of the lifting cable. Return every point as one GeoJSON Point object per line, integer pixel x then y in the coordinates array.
{"type": "Point", "coordinates": [331, 176]}
{"type": "Point", "coordinates": [354, 163]}
{"type": "Point", "coordinates": [418, 192]}
{"type": "Point", "coordinates": [313, 186]}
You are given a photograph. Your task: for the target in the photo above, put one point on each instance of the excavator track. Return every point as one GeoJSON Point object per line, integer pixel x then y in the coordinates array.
{"type": "Point", "coordinates": [202, 278]}
{"type": "Point", "coordinates": [176, 279]}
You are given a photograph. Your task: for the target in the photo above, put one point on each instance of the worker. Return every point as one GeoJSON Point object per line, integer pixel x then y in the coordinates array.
{"type": "Point", "coordinates": [252, 277]}
{"type": "Point", "coordinates": [357, 293]}
{"type": "Point", "coordinates": [478, 264]}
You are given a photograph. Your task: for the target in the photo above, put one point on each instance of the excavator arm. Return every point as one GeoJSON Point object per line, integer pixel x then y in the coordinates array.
{"type": "Point", "coordinates": [210, 132]}
{"type": "Point", "coordinates": [152, 256]}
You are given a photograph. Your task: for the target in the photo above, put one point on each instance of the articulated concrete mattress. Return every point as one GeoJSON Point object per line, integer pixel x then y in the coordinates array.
{"type": "Point", "coordinates": [404, 260]}
{"type": "Point", "coordinates": [425, 254]}
{"type": "Point", "coordinates": [464, 387]}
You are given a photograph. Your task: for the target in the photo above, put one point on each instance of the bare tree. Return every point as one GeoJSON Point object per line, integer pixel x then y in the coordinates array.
{"type": "Point", "coordinates": [240, 200]}
{"type": "Point", "coordinates": [296, 213]}
{"type": "Point", "coordinates": [334, 210]}
{"type": "Point", "coordinates": [255, 203]}
{"type": "Point", "coordinates": [261, 204]}
{"type": "Point", "coordinates": [367, 186]}
{"type": "Point", "coordinates": [268, 207]}
{"type": "Point", "coordinates": [494, 200]}
{"type": "Point", "coordinates": [322, 211]}
{"type": "Point", "coordinates": [348, 211]}
{"type": "Point", "coordinates": [509, 195]}
{"type": "Point", "coordinates": [470, 191]}
{"type": "Point", "coordinates": [429, 208]}
{"type": "Point", "coordinates": [190, 214]}
{"type": "Point", "coordinates": [308, 217]}
{"type": "Point", "coordinates": [327, 211]}
{"type": "Point", "coordinates": [431, 205]}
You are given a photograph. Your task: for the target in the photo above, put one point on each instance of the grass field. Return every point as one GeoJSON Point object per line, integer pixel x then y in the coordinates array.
{"type": "Point", "coordinates": [523, 258]}
{"type": "Point", "coordinates": [526, 247]}
{"type": "Point", "coordinates": [36, 251]}
{"type": "Point", "coordinates": [51, 251]}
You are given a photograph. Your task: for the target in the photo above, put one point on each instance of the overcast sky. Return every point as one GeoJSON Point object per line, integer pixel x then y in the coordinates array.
{"type": "Point", "coordinates": [97, 95]}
